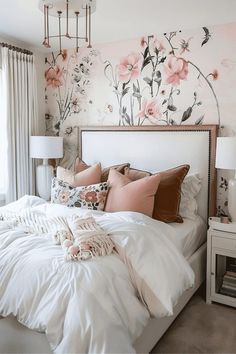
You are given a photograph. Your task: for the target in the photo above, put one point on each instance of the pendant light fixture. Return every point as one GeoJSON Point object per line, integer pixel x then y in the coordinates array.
{"type": "Point", "coordinates": [66, 9]}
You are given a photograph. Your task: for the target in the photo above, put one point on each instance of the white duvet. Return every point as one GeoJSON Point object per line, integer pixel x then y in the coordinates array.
{"type": "Point", "coordinates": [90, 306]}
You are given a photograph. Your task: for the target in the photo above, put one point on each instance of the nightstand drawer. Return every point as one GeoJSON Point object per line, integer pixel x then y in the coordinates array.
{"type": "Point", "coordinates": [225, 243]}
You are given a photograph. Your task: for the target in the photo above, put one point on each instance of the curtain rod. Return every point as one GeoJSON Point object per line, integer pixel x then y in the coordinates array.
{"type": "Point", "coordinates": [12, 47]}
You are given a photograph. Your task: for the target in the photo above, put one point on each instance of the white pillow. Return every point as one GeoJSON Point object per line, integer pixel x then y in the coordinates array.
{"type": "Point", "coordinates": [191, 187]}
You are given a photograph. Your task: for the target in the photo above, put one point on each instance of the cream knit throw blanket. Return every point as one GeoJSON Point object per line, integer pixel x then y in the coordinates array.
{"type": "Point", "coordinates": [80, 238]}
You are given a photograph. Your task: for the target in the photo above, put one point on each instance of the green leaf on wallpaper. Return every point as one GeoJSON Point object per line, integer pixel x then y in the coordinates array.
{"type": "Point", "coordinates": [127, 118]}
{"type": "Point", "coordinates": [125, 115]}
{"type": "Point", "coordinates": [171, 108]}
{"type": "Point", "coordinates": [162, 60]}
{"type": "Point", "coordinates": [125, 91]}
{"type": "Point", "coordinates": [145, 54]}
{"type": "Point", "coordinates": [170, 100]}
{"type": "Point", "coordinates": [199, 121]}
{"type": "Point", "coordinates": [177, 92]}
{"type": "Point", "coordinates": [137, 95]}
{"type": "Point", "coordinates": [106, 68]}
{"type": "Point", "coordinates": [172, 122]}
{"type": "Point", "coordinates": [207, 35]}
{"type": "Point", "coordinates": [136, 89]}
{"type": "Point", "coordinates": [187, 114]}
{"type": "Point", "coordinates": [157, 52]}
{"type": "Point", "coordinates": [158, 77]}
{"type": "Point", "coordinates": [148, 80]}
{"type": "Point", "coordinates": [164, 102]}
{"type": "Point", "coordinates": [147, 61]}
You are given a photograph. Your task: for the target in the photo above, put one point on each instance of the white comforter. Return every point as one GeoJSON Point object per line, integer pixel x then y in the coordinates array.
{"type": "Point", "coordinates": [91, 306]}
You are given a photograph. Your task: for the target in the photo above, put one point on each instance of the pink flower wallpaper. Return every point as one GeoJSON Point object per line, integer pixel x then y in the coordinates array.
{"type": "Point", "coordinates": [181, 77]}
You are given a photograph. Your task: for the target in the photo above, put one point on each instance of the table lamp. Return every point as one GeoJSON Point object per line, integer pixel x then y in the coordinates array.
{"type": "Point", "coordinates": [226, 159]}
{"type": "Point", "coordinates": [45, 147]}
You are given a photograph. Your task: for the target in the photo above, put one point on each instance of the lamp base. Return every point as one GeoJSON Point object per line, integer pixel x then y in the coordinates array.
{"type": "Point", "coordinates": [44, 176]}
{"type": "Point", "coordinates": [232, 199]}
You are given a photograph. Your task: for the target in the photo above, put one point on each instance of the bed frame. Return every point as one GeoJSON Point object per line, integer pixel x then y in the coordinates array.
{"type": "Point", "coordinates": [152, 148]}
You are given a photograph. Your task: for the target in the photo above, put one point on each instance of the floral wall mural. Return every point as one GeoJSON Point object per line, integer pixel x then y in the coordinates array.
{"type": "Point", "coordinates": [173, 78]}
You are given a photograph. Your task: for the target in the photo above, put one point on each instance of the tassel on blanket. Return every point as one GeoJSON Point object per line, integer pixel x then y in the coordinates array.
{"type": "Point", "coordinates": [90, 240]}
{"type": "Point", "coordinates": [61, 235]}
{"type": "Point", "coordinates": [81, 238]}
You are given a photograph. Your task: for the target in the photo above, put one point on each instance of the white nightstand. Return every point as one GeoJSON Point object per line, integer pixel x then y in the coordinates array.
{"type": "Point", "coordinates": [221, 257]}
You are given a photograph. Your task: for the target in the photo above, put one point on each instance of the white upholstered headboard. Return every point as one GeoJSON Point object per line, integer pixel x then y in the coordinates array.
{"type": "Point", "coordinates": [156, 148]}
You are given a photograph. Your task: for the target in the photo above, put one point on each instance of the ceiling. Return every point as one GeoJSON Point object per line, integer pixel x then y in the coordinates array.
{"type": "Point", "coordinates": [117, 20]}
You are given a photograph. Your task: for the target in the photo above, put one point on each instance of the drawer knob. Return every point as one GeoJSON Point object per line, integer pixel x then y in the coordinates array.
{"type": "Point", "coordinates": [212, 273]}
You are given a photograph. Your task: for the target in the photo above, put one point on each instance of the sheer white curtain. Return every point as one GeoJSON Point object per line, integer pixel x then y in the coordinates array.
{"type": "Point", "coordinates": [21, 118]}
{"type": "Point", "coordinates": [3, 144]}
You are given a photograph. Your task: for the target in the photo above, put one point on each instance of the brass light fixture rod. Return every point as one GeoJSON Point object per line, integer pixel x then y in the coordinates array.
{"type": "Point", "coordinates": [47, 17]}
{"type": "Point", "coordinates": [84, 38]}
{"type": "Point", "coordinates": [77, 31]}
{"type": "Point", "coordinates": [45, 25]}
{"type": "Point", "coordinates": [67, 19]}
{"type": "Point", "coordinates": [86, 23]}
{"type": "Point", "coordinates": [59, 24]}
{"type": "Point", "coordinates": [63, 35]}
{"type": "Point", "coordinates": [89, 31]}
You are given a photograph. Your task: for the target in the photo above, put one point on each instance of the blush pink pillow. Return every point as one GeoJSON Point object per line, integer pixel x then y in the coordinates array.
{"type": "Point", "coordinates": [80, 165]}
{"type": "Point", "coordinates": [91, 175]}
{"type": "Point", "coordinates": [127, 195]}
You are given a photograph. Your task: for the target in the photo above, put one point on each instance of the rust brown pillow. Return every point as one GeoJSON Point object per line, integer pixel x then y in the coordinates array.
{"type": "Point", "coordinates": [134, 174]}
{"type": "Point", "coordinates": [167, 199]}
{"type": "Point", "coordinates": [80, 166]}
{"type": "Point", "coordinates": [120, 168]}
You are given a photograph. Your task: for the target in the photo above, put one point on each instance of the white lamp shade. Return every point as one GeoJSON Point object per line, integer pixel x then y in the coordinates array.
{"type": "Point", "coordinates": [46, 147]}
{"type": "Point", "coordinates": [226, 153]}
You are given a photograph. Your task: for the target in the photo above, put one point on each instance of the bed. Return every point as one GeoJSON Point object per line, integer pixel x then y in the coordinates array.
{"type": "Point", "coordinates": [153, 149]}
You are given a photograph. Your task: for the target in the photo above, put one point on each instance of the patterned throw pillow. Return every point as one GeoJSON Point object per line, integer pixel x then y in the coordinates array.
{"type": "Point", "coordinates": [86, 197]}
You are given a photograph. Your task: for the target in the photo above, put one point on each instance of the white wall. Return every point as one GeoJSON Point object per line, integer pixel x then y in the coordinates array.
{"type": "Point", "coordinates": [126, 19]}
{"type": "Point", "coordinates": [118, 20]}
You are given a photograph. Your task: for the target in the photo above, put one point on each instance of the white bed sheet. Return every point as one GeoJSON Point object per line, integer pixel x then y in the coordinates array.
{"type": "Point", "coordinates": [90, 306]}
{"type": "Point", "coordinates": [189, 235]}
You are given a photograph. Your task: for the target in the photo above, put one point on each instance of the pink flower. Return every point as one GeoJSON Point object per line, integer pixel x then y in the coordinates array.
{"type": "Point", "coordinates": [149, 110]}
{"type": "Point", "coordinates": [143, 41]}
{"type": "Point", "coordinates": [64, 197]}
{"type": "Point", "coordinates": [54, 77]}
{"type": "Point", "coordinates": [214, 74]}
{"type": "Point", "coordinates": [175, 69]}
{"type": "Point", "coordinates": [153, 42]}
{"type": "Point", "coordinates": [129, 69]}
{"type": "Point", "coordinates": [158, 45]}
{"type": "Point", "coordinates": [184, 45]}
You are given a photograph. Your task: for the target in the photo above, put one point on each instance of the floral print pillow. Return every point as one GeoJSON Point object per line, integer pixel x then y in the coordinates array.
{"type": "Point", "coordinates": [91, 197]}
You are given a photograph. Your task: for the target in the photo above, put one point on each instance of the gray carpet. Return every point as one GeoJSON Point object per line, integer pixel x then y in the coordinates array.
{"type": "Point", "coordinates": [201, 328]}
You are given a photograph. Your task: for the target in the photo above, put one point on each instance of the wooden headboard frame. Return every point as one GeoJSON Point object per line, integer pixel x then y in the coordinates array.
{"type": "Point", "coordinates": [211, 129]}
